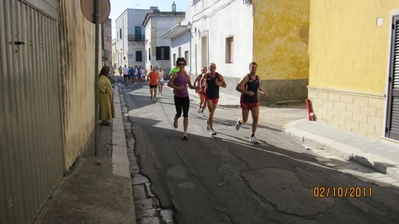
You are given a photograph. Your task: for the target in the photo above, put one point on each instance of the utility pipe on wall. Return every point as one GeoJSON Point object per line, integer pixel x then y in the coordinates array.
{"type": "Point", "coordinates": [96, 71]}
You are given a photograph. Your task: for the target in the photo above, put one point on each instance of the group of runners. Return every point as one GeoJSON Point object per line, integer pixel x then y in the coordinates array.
{"type": "Point", "coordinates": [207, 85]}
{"type": "Point", "coordinates": [136, 74]}
{"type": "Point", "coordinates": [133, 74]}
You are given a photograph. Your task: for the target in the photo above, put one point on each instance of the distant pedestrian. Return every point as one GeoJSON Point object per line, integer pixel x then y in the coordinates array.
{"type": "Point", "coordinates": [213, 82]}
{"type": "Point", "coordinates": [201, 91]}
{"type": "Point", "coordinates": [120, 70]}
{"type": "Point", "coordinates": [153, 82]}
{"type": "Point", "coordinates": [161, 82]}
{"type": "Point", "coordinates": [249, 87]}
{"type": "Point", "coordinates": [125, 74]}
{"type": "Point", "coordinates": [132, 74]}
{"type": "Point", "coordinates": [143, 74]}
{"type": "Point", "coordinates": [139, 74]}
{"type": "Point", "coordinates": [179, 83]}
{"type": "Point", "coordinates": [106, 97]}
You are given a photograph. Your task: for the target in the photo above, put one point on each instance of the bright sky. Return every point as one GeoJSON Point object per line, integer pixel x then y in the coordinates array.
{"type": "Point", "coordinates": [119, 6]}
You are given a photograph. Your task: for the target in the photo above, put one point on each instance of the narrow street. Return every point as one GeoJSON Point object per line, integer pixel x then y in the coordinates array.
{"type": "Point", "coordinates": [226, 179]}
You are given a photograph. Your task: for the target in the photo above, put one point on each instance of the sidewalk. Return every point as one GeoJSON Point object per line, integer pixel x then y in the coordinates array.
{"type": "Point", "coordinates": [372, 153]}
{"type": "Point", "coordinates": [96, 189]}
{"type": "Point", "coordinates": [378, 155]}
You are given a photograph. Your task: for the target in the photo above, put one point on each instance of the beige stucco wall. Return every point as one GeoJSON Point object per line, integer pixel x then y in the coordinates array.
{"type": "Point", "coordinates": [77, 52]}
{"type": "Point", "coordinates": [348, 50]}
{"type": "Point", "coordinates": [349, 59]}
{"type": "Point", "coordinates": [281, 29]}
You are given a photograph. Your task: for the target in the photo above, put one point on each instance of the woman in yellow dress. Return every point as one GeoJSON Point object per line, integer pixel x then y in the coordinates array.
{"type": "Point", "coordinates": [106, 97]}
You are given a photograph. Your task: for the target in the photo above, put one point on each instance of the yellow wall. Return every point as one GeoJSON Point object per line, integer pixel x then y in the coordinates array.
{"type": "Point", "coordinates": [77, 52]}
{"type": "Point", "coordinates": [347, 50]}
{"type": "Point", "coordinates": [281, 38]}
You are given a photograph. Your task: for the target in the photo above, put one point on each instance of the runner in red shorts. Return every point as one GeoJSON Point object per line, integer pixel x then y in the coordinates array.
{"type": "Point", "coordinates": [249, 87]}
{"type": "Point", "coordinates": [213, 81]}
{"type": "Point", "coordinates": [201, 91]}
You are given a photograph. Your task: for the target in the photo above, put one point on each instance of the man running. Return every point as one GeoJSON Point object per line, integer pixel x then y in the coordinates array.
{"type": "Point", "coordinates": [153, 81]}
{"type": "Point", "coordinates": [173, 71]}
{"type": "Point", "coordinates": [213, 81]}
{"type": "Point", "coordinates": [249, 87]}
{"type": "Point", "coordinates": [125, 74]}
{"type": "Point", "coordinates": [132, 74]}
{"type": "Point", "coordinates": [161, 80]}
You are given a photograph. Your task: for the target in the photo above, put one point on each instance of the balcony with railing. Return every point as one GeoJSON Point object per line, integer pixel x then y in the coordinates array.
{"type": "Point", "coordinates": [135, 37]}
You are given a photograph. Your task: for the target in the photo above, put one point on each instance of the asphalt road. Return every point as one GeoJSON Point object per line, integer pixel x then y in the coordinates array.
{"type": "Point", "coordinates": [227, 179]}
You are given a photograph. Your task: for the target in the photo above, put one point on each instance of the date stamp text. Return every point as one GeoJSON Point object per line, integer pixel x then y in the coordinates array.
{"type": "Point", "coordinates": [342, 192]}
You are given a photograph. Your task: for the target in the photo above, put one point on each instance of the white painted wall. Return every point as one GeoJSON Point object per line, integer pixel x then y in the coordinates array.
{"type": "Point", "coordinates": [148, 44]}
{"type": "Point", "coordinates": [121, 39]}
{"type": "Point", "coordinates": [182, 41]}
{"type": "Point", "coordinates": [126, 22]}
{"type": "Point", "coordinates": [220, 20]}
{"type": "Point", "coordinates": [155, 28]}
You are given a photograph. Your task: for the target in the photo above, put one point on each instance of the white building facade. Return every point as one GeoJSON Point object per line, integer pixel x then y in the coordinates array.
{"type": "Point", "coordinates": [157, 24]}
{"type": "Point", "coordinates": [130, 38]}
{"type": "Point", "coordinates": [221, 32]}
{"type": "Point", "coordinates": [180, 40]}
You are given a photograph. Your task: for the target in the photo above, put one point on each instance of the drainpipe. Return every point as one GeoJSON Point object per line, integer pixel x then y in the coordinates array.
{"type": "Point", "coordinates": [195, 60]}
{"type": "Point", "coordinates": [189, 26]}
{"type": "Point", "coordinates": [96, 64]}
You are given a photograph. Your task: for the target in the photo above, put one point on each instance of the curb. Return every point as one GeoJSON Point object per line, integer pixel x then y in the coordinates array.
{"type": "Point", "coordinates": [120, 161]}
{"type": "Point", "coordinates": [380, 164]}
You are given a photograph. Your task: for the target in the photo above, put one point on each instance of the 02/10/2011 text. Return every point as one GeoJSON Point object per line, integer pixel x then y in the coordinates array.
{"type": "Point", "coordinates": [342, 192]}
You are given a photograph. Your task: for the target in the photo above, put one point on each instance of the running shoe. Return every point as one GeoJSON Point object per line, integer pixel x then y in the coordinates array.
{"type": "Point", "coordinates": [175, 124]}
{"type": "Point", "coordinates": [212, 132]}
{"type": "Point", "coordinates": [199, 109]}
{"type": "Point", "coordinates": [185, 137]}
{"type": "Point", "coordinates": [238, 125]}
{"type": "Point", "coordinates": [202, 114]}
{"type": "Point", "coordinates": [207, 125]}
{"type": "Point", "coordinates": [253, 140]}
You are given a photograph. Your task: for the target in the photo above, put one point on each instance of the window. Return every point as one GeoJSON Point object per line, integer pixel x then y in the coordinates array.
{"type": "Point", "coordinates": [186, 56]}
{"type": "Point", "coordinates": [120, 33]}
{"type": "Point", "coordinates": [229, 49]}
{"type": "Point", "coordinates": [139, 56]}
{"type": "Point", "coordinates": [174, 58]}
{"type": "Point", "coordinates": [162, 53]}
{"type": "Point", "coordinates": [137, 34]}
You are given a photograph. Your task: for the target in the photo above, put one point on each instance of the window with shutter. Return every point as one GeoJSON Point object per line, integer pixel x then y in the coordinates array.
{"type": "Point", "coordinates": [162, 53]}
{"type": "Point", "coordinates": [139, 56]}
{"type": "Point", "coordinates": [392, 125]}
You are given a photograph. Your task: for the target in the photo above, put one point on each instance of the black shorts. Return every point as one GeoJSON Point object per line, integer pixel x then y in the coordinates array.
{"type": "Point", "coordinates": [152, 87]}
{"type": "Point", "coordinates": [182, 104]}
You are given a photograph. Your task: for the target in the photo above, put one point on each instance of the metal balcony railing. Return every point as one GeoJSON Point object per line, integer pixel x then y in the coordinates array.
{"type": "Point", "coordinates": [134, 37]}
